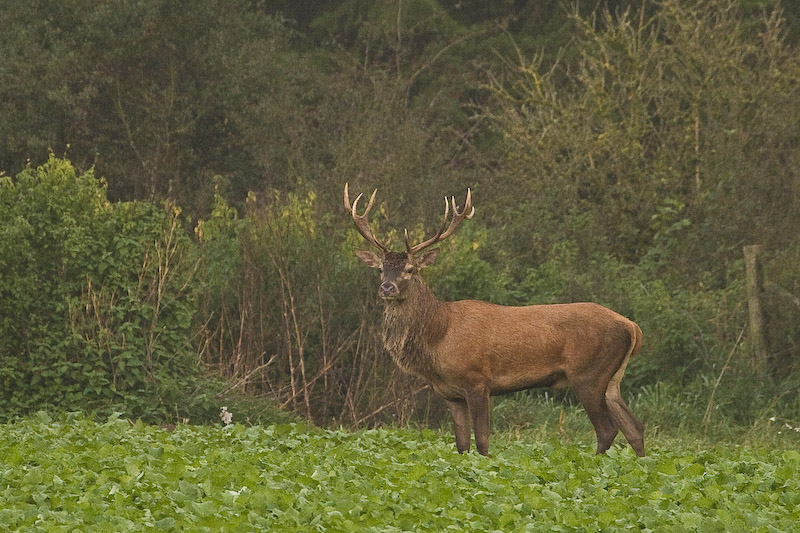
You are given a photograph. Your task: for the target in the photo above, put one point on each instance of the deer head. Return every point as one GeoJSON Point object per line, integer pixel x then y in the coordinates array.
{"type": "Point", "coordinates": [399, 268]}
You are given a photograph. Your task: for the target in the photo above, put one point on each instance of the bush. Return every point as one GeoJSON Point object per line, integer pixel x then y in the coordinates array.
{"type": "Point", "coordinates": [287, 311]}
{"type": "Point", "coordinates": [96, 304]}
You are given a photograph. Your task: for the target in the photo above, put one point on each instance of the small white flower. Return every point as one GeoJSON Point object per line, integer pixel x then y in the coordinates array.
{"type": "Point", "coordinates": [772, 419]}
{"type": "Point", "coordinates": [225, 415]}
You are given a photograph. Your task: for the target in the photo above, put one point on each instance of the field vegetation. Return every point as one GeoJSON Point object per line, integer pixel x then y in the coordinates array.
{"type": "Point", "coordinates": [73, 473]}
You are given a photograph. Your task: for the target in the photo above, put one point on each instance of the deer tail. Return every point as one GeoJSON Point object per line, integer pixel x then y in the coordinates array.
{"type": "Point", "coordinates": [633, 349]}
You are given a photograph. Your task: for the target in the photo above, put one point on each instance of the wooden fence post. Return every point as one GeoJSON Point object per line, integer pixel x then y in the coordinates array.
{"type": "Point", "coordinates": [755, 290]}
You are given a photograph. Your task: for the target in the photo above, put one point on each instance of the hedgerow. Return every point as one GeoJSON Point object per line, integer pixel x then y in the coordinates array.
{"type": "Point", "coordinates": [96, 303]}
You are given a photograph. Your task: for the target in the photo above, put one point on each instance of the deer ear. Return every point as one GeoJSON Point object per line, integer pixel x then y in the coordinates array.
{"type": "Point", "coordinates": [428, 258]}
{"type": "Point", "coordinates": [369, 258]}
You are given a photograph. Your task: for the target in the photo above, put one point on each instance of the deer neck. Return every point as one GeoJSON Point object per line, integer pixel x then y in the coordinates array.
{"type": "Point", "coordinates": [412, 326]}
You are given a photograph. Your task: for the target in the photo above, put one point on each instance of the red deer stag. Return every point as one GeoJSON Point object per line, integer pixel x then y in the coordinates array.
{"type": "Point", "coordinates": [468, 350]}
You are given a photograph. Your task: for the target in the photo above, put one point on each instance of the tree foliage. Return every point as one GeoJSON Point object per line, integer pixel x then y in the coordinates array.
{"type": "Point", "coordinates": [652, 137]}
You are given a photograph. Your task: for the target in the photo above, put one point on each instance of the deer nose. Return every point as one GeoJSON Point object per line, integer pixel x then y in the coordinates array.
{"type": "Point", "coordinates": [388, 290]}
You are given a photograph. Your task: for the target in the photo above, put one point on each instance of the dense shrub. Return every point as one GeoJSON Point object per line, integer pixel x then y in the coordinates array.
{"type": "Point", "coordinates": [95, 299]}
{"type": "Point", "coordinates": [284, 308]}
{"type": "Point", "coordinates": [113, 307]}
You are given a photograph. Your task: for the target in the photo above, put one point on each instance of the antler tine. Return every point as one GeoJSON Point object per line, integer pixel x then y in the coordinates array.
{"type": "Point", "coordinates": [465, 213]}
{"type": "Point", "coordinates": [435, 238]}
{"type": "Point", "coordinates": [458, 217]}
{"type": "Point", "coordinates": [361, 222]}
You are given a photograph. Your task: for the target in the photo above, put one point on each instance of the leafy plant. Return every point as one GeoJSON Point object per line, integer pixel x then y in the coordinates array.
{"type": "Point", "coordinates": [70, 472]}
{"type": "Point", "coordinates": [95, 298]}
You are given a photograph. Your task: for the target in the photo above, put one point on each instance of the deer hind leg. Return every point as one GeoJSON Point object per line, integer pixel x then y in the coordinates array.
{"type": "Point", "coordinates": [594, 403]}
{"type": "Point", "coordinates": [461, 423]}
{"type": "Point", "coordinates": [478, 402]}
{"type": "Point", "coordinates": [631, 427]}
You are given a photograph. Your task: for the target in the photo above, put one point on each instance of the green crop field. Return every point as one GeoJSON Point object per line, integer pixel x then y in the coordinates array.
{"type": "Point", "coordinates": [73, 474]}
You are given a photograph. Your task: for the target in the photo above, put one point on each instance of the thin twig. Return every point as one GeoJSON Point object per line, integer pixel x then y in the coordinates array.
{"type": "Point", "coordinates": [709, 407]}
{"type": "Point", "coordinates": [244, 380]}
{"type": "Point", "coordinates": [386, 406]}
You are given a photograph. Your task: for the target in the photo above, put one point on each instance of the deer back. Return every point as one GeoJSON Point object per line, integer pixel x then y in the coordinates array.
{"type": "Point", "coordinates": [515, 348]}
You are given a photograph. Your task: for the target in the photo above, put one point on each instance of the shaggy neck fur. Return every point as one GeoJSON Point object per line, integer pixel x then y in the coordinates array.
{"type": "Point", "coordinates": [412, 326]}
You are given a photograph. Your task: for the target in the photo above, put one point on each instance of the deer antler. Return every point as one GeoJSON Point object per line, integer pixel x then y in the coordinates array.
{"type": "Point", "coordinates": [361, 222]}
{"type": "Point", "coordinates": [458, 217]}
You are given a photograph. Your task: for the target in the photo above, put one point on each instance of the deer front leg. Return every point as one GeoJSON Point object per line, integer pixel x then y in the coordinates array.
{"type": "Point", "coordinates": [478, 402]}
{"type": "Point", "coordinates": [461, 423]}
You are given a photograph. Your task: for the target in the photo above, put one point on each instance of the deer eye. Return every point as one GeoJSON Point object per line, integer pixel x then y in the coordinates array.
{"type": "Point", "coordinates": [409, 270]}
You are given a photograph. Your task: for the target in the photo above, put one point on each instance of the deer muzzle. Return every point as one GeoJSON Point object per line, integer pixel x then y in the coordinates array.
{"type": "Point", "coordinates": [388, 290]}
